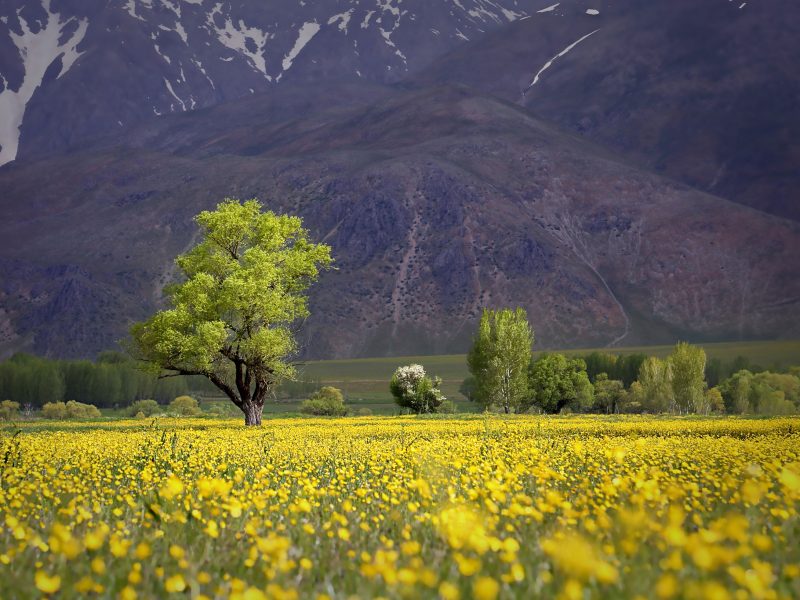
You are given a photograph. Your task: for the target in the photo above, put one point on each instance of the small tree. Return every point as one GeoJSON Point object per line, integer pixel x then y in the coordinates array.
{"type": "Point", "coordinates": [499, 358]}
{"type": "Point", "coordinates": [608, 394]}
{"type": "Point", "coordinates": [557, 382]}
{"type": "Point", "coordinates": [185, 406]}
{"type": "Point", "coordinates": [713, 402]}
{"type": "Point", "coordinates": [633, 401]}
{"type": "Point", "coordinates": [414, 390]}
{"type": "Point", "coordinates": [327, 402]}
{"type": "Point", "coordinates": [231, 319]}
{"type": "Point", "coordinates": [688, 376]}
{"type": "Point", "coordinates": [655, 377]}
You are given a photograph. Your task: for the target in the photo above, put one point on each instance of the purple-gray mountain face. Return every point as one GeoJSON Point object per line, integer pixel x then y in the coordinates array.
{"type": "Point", "coordinates": [73, 69]}
{"type": "Point", "coordinates": [447, 174]}
{"type": "Point", "coordinates": [704, 91]}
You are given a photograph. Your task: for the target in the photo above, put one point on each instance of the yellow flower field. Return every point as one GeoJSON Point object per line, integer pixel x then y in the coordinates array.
{"type": "Point", "coordinates": [482, 507]}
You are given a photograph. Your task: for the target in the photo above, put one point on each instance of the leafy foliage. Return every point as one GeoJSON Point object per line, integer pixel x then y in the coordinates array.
{"type": "Point", "coordinates": [762, 393]}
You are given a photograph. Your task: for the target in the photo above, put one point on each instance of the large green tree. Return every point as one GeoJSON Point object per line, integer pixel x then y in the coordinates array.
{"type": "Point", "coordinates": [499, 358]}
{"type": "Point", "coordinates": [557, 382]}
{"type": "Point", "coordinates": [230, 320]}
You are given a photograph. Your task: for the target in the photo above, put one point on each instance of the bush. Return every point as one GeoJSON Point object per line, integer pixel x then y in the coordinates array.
{"type": "Point", "coordinates": [364, 412]}
{"type": "Point", "coordinates": [54, 410]}
{"type": "Point", "coordinates": [327, 402]}
{"type": "Point", "coordinates": [140, 415]}
{"type": "Point", "coordinates": [185, 406]}
{"type": "Point", "coordinates": [69, 410]}
{"type": "Point", "coordinates": [414, 390]}
{"type": "Point", "coordinates": [78, 410]}
{"type": "Point", "coordinates": [147, 407]}
{"type": "Point", "coordinates": [9, 410]}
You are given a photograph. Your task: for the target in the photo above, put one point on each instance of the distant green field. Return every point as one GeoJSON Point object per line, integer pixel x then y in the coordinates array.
{"type": "Point", "coordinates": [366, 379]}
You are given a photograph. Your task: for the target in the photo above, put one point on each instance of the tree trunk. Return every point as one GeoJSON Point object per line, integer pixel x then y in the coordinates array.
{"type": "Point", "coordinates": [252, 413]}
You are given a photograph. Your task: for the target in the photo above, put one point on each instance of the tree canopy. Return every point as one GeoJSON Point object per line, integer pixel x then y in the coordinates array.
{"type": "Point", "coordinates": [231, 317]}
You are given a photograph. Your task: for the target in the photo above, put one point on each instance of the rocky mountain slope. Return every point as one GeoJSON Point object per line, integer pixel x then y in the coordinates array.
{"type": "Point", "coordinates": [437, 202]}
{"type": "Point", "coordinates": [74, 70]}
{"type": "Point", "coordinates": [703, 91]}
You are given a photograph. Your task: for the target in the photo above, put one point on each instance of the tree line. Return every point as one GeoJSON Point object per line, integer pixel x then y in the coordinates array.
{"type": "Point", "coordinates": [505, 376]}
{"type": "Point", "coordinates": [112, 381]}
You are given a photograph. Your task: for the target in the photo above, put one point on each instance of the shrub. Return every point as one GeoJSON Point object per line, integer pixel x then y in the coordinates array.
{"type": "Point", "coordinates": [69, 410]}
{"type": "Point", "coordinates": [414, 390]}
{"type": "Point", "coordinates": [140, 415]}
{"type": "Point", "coordinates": [78, 410]}
{"type": "Point", "coordinates": [327, 402]}
{"type": "Point", "coordinates": [185, 406]}
{"type": "Point", "coordinates": [147, 407]}
{"type": "Point", "coordinates": [54, 410]}
{"type": "Point", "coordinates": [9, 410]}
{"type": "Point", "coordinates": [364, 412]}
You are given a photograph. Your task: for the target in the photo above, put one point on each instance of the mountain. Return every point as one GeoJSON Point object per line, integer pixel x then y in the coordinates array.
{"type": "Point", "coordinates": [702, 91]}
{"type": "Point", "coordinates": [437, 201]}
{"type": "Point", "coordinates": [627, 171]}
{"type": "Point", "coordinates": [70, 71]}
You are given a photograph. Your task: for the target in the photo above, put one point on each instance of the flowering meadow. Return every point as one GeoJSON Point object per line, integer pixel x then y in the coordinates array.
{"type": "Point", "coordinates": [483, 507]}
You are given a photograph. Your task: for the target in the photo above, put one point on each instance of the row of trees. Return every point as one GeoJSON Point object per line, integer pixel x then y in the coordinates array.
{"type": "Point", "coordinates": [505, 376]}
{"type": "Point", "coordinates": [114, 380]}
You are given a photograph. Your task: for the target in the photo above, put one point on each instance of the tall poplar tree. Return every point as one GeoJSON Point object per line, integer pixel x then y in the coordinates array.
{"type": "Point", "coordinates": [688, 376]}
{"type": "Point", "coordinates": [499, 358]}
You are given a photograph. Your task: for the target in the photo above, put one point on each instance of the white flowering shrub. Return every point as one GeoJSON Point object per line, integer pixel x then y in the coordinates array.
{"type": "Point", "coordinates": [414, 390]}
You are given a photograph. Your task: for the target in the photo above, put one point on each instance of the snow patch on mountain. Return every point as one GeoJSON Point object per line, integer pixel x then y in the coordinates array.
{"type": "Point", "coordinates": [236, 36]}
{"type": "Point", "coordinates": [343, 19]}
{"type": "Point", "coordinates": [174, 95]}
{"type": "Point", "coordinates": [549, 63]}
{"type": "Point", "coordinates": [39, 45]}
{"type": "Point", "coordinates": [304, 35]}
